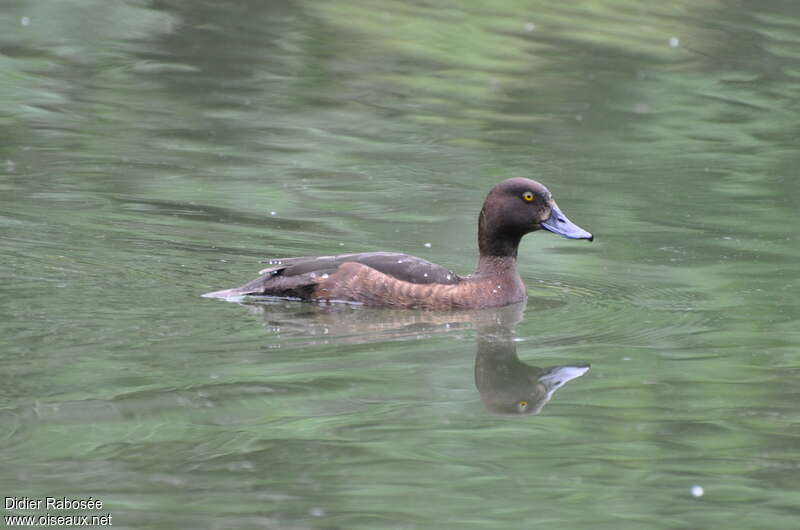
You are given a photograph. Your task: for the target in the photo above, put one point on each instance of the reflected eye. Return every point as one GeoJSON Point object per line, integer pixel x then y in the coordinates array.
{"type": "Point", "coordinates": [522, 405]}
{"type": "Point", "coordinates": [528, 196]}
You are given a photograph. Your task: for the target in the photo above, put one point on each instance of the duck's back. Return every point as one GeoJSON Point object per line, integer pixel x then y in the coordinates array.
{"type": "Point", "coordinates": [401, 266]}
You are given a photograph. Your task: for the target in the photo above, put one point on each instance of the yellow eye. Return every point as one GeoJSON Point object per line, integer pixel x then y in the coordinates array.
{"type": "Point", "coordinates": [528, 196]}
{"type": "Point", "coordinates": [522, 405]}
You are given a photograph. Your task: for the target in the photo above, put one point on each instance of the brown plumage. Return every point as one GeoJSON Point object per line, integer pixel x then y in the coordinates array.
{"type": "Point", "coordinates": [358, 282]}
{"type": "Point", "coordinates": [512, 209]}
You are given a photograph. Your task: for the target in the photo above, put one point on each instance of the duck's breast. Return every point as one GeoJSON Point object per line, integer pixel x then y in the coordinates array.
{"type": "Point", "coordinates": [355, 282]}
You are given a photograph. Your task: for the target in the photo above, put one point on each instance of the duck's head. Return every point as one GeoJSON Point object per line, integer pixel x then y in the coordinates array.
{"type": "Point", "coordinates": [516, 207]}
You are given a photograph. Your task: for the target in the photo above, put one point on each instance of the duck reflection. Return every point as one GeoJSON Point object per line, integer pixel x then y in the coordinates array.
{"type": "Point", "coordinates": [314, 324]}
{"type": "Point", "coordinates": [507, 386]}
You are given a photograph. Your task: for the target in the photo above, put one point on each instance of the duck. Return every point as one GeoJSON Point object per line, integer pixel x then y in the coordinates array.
{"type": "Point", "coordinates": [513, 208]}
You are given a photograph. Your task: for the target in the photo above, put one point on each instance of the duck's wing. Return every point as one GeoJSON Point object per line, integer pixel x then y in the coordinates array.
{"type": "Point", "coordinates": [297, 277]}
{"type": "Point", "coordinates": [401, 266]}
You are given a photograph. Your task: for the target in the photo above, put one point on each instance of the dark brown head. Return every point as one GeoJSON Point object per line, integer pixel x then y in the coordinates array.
{"type": "Point", "coordinates": [516, 207]}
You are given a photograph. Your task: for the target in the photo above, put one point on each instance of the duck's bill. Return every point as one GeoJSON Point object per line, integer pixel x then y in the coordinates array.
{"type": "Point", "coordinates": [558, 376]}
{"type": "Point", "coordinates": [559, 224]}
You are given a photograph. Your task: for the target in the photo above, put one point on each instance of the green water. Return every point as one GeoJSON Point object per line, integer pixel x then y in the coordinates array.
{"type": "Point", "coordinates": [154, 151]}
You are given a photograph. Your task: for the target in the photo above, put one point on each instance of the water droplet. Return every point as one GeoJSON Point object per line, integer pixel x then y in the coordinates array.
{"type": "Point", "coordinates": [317, 512]}
{"type": "Point", "coordinates": [273, 213]}
{"type": "Point", "coordinates": [674, 42]}
{"type": "Point", "coordinates": [697, 491]}
{"type": "Point", "coordinates": [530, 26]}
{"type": "Point", "coordinates": [428, 245]}
{"type": "Point", "coordinates": [25, 21]}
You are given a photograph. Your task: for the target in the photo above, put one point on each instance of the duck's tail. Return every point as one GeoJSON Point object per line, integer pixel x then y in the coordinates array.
{"type": "Point", "coordinates": [273, 284]}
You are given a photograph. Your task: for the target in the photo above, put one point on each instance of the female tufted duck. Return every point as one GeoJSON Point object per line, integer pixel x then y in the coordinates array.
{"type": "Point", "coordinates": [512, 209]}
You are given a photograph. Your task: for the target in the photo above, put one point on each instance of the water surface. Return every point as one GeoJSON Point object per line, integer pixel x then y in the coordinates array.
{"type": "Point", "coordinates": [155, 151]}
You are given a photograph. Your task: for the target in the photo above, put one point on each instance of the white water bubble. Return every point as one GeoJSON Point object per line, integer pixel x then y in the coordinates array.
{"type": "Point", "coordinates": [674, 42]}
{"type": "Point", "coordinates": [25, 21]}
{"type": "Point", "coordinates": [428, 245]}
{"type": "Point", "coordinates": [697, 491]}
{"type": "Point", "coordinates": [530, 26]}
